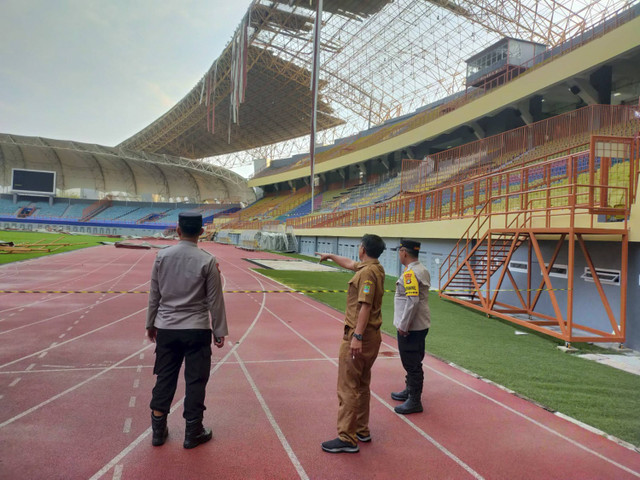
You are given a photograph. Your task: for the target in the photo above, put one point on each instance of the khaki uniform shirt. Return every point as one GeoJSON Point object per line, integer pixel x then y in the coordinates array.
{"type": "Point", "coordinates": [411, 310]}
{"type": "Point", "coordinates": [185, 289]}
{"type": "Point", "coordinates": [366, 286]}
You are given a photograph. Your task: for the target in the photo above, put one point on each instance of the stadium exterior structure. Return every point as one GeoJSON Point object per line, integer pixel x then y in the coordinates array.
{"type": "Point", "coordinates": [593, 274]}
{"type": "Point", "coordinates": [144, 192]}
{"type": "Point", "coordinates": [582, 71]}
{"type": "Point", "coordinates": [121, 173]}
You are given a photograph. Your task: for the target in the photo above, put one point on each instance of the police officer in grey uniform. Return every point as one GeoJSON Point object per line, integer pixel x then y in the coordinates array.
{"type": "Point", "coordinates": [412, 320]}
{"type": "Point", "coordinates": [186, 290]}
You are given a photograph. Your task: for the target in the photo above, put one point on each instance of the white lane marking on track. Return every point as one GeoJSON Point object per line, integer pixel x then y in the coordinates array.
{"type": "Point", "coordinates": [136, 383]}
{"type": "Point", "coordinates": [127, 425]}
{"type": "Point", "coordinates": [62, 335]}
{"type": "Point", "coordinates": [132, 402]}
{"type": "Point", "coordinates": [440, 447]}
{"type": "Point", "coordinates": [30, 367]}
{"type": "Point", "coordinates": [15, 382]}
{"type": "Point", "coordinates": [69, 329]}
{"type": "Point", "coordinates": [65, 368]}
{"type": "Point", "coordinates": [43, 354]}
{"type": "Point", "coordinates": [272, 420]}
{"type": "Point", "coordinates": [91, 287]}
{"type": "Point", "coordinates": [142, 356]}
{"type": "Point", "coordinates": [429, 438]}
{"type": "Point", "coordinates": [497, 402]}
{"type": "Point", "coordinates": [538, 424]}
{"type": "Point", "coordinates": [55, 344]}
{"type": "Point", "coordinates": [68, 390]}
{"type": "Point", "coordinates": [117, 472]}
{"type": "Point", "coordinates": [115, 297]}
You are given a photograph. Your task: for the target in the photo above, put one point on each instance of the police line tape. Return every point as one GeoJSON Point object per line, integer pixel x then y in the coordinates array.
{"type": "Point", "coordinates": [147, 291]}
{"type": "Point", "coordinates": [119, 292]}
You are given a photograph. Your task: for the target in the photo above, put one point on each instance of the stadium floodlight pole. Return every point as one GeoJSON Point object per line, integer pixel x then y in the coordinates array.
{"type": "Point", "coordinates": [314, 97]}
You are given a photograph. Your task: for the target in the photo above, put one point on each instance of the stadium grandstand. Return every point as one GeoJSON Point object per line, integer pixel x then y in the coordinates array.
{"type": "Point", "coordinates": [505, 136]}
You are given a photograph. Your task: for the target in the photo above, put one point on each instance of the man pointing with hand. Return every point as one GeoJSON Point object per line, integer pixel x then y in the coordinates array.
{"type": "Point", "coordinates": [360, 344]}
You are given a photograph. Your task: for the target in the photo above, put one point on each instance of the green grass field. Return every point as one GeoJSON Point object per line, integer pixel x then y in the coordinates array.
{"type": "Point", "coordinates": [78, 241]}
{"type": "Point", "coordinates": [530, 364]}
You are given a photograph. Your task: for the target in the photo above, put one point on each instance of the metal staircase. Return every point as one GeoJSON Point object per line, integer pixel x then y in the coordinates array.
{"type": "Point", "coordinates": [485, 257]}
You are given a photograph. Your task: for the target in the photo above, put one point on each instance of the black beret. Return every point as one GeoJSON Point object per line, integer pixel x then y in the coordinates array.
{"type": "Point", "coordinates": [190, 220]}
{"type": "Point", "coordinates": [409, 245]}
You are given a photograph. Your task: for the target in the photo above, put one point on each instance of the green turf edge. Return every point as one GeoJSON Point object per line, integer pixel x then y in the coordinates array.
{"type": "Point", "coordinates": [531, 365]}
{"type": "Point", "coordinates": [32, 237]}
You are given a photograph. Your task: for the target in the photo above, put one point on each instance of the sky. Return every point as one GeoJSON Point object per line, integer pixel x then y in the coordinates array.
{"type": "Point", "coordinates": [98, 71]}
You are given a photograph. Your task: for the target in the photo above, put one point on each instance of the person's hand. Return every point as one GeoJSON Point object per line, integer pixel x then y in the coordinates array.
{"type": "Point", "coordinates": [403, 333]}
{"type": "Point", "coordinates": [323, 256]}
{"type": "Point", "coordinates": [152, 333]}
{"type": "Point", "coordinates": [356, 347]}
{"type": "Point", "coordinates": [218, 341]}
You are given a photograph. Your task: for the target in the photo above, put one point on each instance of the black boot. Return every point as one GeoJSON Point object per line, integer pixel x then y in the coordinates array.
{"type": "Point", "coordinates": [413, 403]}
{"type": "Point", "coordinates": [195, 434]}
{"type": "Point", "coordinates": [160, 430]}
{"type": "Point", "coordinates": [400, 396]}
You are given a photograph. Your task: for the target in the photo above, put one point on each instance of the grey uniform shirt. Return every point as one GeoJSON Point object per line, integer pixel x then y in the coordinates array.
{"type": "Point", "coordinates": [410, 302]}
{"type": "Point", "coordinates": [185, 289]}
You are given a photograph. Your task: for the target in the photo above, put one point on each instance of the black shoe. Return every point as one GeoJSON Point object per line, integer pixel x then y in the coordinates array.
{"type": "Point", "coordinates": [363, 438]}
{"type": "Point", "coordinates": [412, 405]}
{"type": "Point", "coordinates": [338, 446]}
{"type": "Point", "coordinates": [400, 396]}
{"type": "Point", "coordinates": [160, 430]}
{"type": "Point", "coordinates": [195, 434]}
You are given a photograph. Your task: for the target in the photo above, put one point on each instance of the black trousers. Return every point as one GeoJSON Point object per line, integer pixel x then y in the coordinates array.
{"type": "Point", "coordinates": [172, 347]}
{"type": "Point", "coordinates": [411, 350]}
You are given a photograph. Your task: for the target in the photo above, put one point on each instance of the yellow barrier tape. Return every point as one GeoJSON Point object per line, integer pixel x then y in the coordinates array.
{"type": "Point", "coordinates": [147, 291]}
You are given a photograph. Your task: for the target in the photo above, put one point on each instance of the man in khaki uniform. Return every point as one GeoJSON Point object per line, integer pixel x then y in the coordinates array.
{"type": "Point", "coordinates": [412, 319]}
{"type": "Point", "coordinates": [360, 344]}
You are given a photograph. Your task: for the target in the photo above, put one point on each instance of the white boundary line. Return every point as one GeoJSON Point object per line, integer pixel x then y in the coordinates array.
{"type": "Point", "coordinates": [440, 447]}
{"type": "Point", "coordinates": [57, 345]}
{"type": "Point", "coordinates": [272, 421]}
{"type": "Point", "coordinates": [44, 287]}
{"type": "Point", "coordinates": [70, 389]}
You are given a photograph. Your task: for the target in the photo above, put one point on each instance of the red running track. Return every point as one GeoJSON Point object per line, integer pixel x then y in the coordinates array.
{"type": "Point", "coordinates": [76, 377]}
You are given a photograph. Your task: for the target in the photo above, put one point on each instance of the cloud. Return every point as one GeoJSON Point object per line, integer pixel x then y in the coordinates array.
{"type": "Point", "coordinates": [99, 71]}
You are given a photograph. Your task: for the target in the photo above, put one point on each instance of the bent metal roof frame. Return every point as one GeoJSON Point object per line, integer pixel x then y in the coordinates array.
{"type": "Point", "coordinates": [380, 59]}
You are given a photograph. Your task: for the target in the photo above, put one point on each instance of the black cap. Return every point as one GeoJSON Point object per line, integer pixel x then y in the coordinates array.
{"type": "Point", "coordinates": [411, 245]}
{"type": "Point", "coordinates": [190, 220]}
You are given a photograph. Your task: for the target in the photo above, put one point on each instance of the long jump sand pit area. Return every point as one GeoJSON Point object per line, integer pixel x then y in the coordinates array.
{"type": "Point", "coordinates": [292, 264]}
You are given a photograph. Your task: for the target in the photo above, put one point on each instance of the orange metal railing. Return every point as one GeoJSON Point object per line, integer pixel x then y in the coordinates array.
{"type": "Point", "coordinates": [546, 139]}
{"type": "Point", "coordinates": [467, 199]}
{"type": "Point", "coordinates": [561, 205]}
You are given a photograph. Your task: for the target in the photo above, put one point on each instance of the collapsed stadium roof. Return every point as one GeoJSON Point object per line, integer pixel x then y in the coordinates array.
{"type": "Point", "coordinates": [379, 59]}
